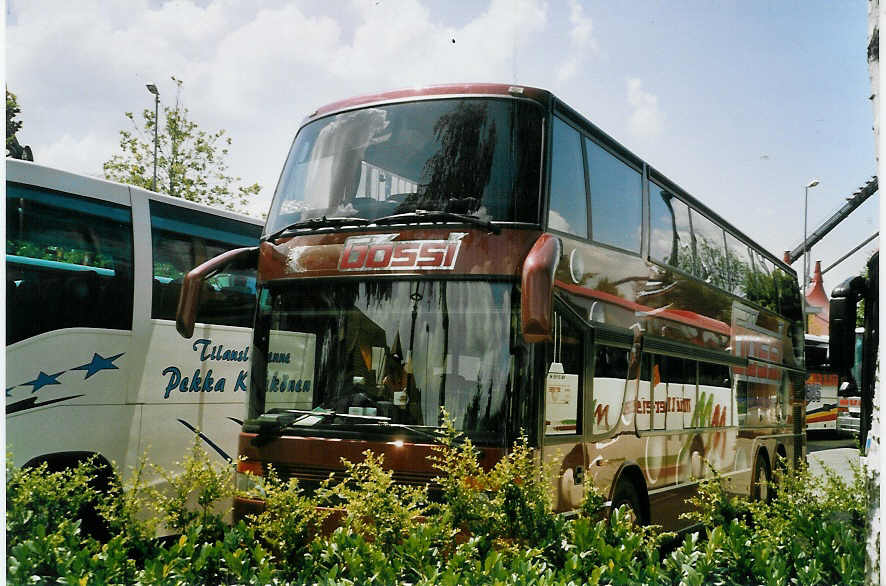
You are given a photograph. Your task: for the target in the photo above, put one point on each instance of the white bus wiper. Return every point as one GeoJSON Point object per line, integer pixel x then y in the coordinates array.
{"type": "Point", "coordinates": [322, 222]}
{"type": "Point", "coordinates": [436, 216]}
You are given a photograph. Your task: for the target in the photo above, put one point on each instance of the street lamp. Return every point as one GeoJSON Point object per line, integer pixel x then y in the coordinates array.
{"type": "Point", "coordinates": [153, 89]}
{"type": "Point", "coordinates": [809, 185]}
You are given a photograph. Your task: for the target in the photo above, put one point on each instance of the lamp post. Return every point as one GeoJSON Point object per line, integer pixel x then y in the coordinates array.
{"type": "Point", "coordinates": [153, 89]}
{"type": "Point", "coordinates": [809, 185]}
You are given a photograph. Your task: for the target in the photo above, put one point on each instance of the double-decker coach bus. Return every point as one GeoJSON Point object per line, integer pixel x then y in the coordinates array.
{"type": "Point", "coordinates": [488, 250]}
{"type": "Point", "coordinates": [94, 367]}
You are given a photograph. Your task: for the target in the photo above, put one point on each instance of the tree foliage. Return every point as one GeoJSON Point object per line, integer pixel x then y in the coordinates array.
{"type": "Point", "coordinates": [191, 162]}
{"type": "Point", "coordinates": [13, 148]}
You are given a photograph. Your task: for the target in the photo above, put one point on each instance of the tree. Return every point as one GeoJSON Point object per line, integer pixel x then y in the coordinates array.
{"type": "Point", "coordinates": [191, 163]}
{"type": "Point", "coordinates": [13, 148]}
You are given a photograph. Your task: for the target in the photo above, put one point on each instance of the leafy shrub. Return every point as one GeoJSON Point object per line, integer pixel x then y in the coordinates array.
{"type": "Point", "coordinates": [493, 527]}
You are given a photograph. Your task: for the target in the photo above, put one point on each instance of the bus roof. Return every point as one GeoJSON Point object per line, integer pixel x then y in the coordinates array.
{"type": "Point", "coordinates": [448, 90]}
{"type": "Point", "coordinates": [543, 97]}
{"type": "Point", "coordinates": [29, 173]}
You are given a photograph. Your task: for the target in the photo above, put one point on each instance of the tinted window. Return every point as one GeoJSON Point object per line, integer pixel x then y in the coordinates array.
{"type": "Point", "coordinates": [68, 263]}
{"type": "Point", "coordinates": [563, 386]}
{"type": "Point", "coordinates": [478, 156]}
{"type": "Point", "coordinates": [714, 395]}
{"type": "Point", "coordinates": [616, 199]}
{"type": "Point", "coordinates": [682, 252]}
{"type": "Point", "coordinates": [568, 212]}
{"type": "Point", "coordinates": [711, 264]}
{"type": "Point", "coordinates": [610, 378]}
{"type": "Point", "coordinates": [738, 259]}
{"type": "Point", "coordinates": [664, 243]}
{"type": "Point", "coordinates": [762, 283]}
{"type": "Point", "coordinates": [183, 239]}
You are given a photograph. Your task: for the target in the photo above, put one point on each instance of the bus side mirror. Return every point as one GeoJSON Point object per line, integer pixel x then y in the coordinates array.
{"type": "Point", "coordinates": [537, 283]}
{"type": "Point", "coordinates": [189, 297]}
{"type": "Point", "coordinates": [841, 324]}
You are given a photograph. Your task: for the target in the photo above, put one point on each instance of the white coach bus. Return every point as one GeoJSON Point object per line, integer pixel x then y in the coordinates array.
{"type": "Point", "coordinates": [94, 365]}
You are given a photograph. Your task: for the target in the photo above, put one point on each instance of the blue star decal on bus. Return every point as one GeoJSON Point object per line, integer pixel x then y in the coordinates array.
{"type": "Point", "coordinates": [98, 364]}
{"type": "Point", "coordinates": [43, 380]}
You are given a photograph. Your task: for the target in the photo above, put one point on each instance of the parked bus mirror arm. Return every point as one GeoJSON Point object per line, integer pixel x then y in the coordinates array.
{"type": "Point", "coordinates": [537, 282]}
{"type": "Point", "coordinates": [189, 297]}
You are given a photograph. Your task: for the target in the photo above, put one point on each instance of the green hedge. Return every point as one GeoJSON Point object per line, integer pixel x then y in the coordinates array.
{"type": "Point", "coordinates": [492, 527]}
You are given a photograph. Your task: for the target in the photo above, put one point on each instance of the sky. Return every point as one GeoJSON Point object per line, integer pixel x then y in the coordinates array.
{"type": "Point", "coordinates": [739, 103]}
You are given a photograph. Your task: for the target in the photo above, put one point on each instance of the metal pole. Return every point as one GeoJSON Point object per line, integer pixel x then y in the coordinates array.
{"type": "Point", "coordinates": [156, 125]}
{"type": "Point", "coordinates": [851, 252]}
{"type": "Point", "coordinates": [805, 255]}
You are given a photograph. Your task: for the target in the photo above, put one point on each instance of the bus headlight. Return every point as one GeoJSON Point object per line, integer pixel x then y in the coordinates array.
{"type": "Point", "coordinates": [249, 478]}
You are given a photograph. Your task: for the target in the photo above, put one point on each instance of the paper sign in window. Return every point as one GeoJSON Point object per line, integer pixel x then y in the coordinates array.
{"type": "Point", "coordinates": [290, 362]}
{"type": "Point", "coordinates": [561, 404]}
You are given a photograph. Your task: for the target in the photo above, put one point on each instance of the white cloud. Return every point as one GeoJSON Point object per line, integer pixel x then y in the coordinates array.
{"type": "Point", "coordinates": [83, 154]}
{"type": "Point", "coordinates": [255, 69]}
{"type": "Point", "coordinates": [582, 28]}
{"type": "Point", "coordinates": [581, 42]}
{"type": "Point", "coordinates": [567, 70]}
{"type": "Point", "coordinates": [646, 119]}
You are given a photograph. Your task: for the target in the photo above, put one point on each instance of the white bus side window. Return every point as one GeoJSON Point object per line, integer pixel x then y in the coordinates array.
{"type": "Point", "coordinates": [68, 263]}
{"type": "Point", "coordinates": [183, 239]}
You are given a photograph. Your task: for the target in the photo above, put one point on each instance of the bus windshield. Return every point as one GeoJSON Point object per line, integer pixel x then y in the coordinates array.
{"type": "Point", "coordinates": [398, 350]}
{"type": "Point", "coordinates": [467, 155]}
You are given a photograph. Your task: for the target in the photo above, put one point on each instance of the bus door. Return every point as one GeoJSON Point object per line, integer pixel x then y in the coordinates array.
{"type": "Point", "coordinates": [563, 447]}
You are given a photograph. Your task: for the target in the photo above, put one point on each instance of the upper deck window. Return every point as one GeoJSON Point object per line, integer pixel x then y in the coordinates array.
{"type": "Point", "coordinates": [569, 212]}
{"type": "Point", "coordinates": [479, 156]}
{"type": "Point", "coordinates": [616, 199]}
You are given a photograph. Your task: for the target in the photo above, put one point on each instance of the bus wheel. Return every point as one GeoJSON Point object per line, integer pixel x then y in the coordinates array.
{"type": "Point", "coordinates": [626, 495]}
{"type": "Point", "coordinates": [761, 488]}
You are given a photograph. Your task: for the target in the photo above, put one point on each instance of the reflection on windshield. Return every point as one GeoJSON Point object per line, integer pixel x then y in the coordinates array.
{"type": "Point", "coordinates": [469, 156]}
{"type": "Point", "coordinates": [394, 349]}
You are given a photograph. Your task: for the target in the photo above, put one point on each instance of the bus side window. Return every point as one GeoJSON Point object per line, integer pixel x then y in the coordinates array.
{"type": "Point", "coordinates": [681, 392]}
{"type": "Point", "coordinates": [714, 395]}
{"type": "Point", "coordinates": [710, 249]}
{"type": "Point", "coordinates": [644, 406]}
{"type": "Point", "coordinates": [610, 378]}
{"type": "Point", "coordinates": [563, 386]}
{"type": "Point", "coordinates": [661, 373]}
{"type": "Point", "coordinates": [182, 239]}
{"type": "Point", "coordinates": [616, 199]}
{"type": "Point", "coordinates": [664, 239]}
{"type": "Point", "coordinates": [68, 263]}
{"type": "Point", "coordinates": [568, 210]}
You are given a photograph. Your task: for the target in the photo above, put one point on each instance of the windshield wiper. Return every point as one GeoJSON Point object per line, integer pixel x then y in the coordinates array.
{"type": "Point", "coordinates": [436, 216]}
{"type": "Point", "coordinates": [414, 430]}
{"type": "Point", "coordinates": [269, 425]}
{"type": "Point", "coordinates": [322, 222]}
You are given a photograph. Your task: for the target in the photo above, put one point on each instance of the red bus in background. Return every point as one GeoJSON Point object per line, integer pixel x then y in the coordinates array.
{"type": "Point", "coordinates": [486, 249]}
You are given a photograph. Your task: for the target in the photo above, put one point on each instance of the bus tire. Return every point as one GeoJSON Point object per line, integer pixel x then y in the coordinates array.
{"type": "Point", "coordinates": [91, 521]}
{"type": "Point", "coordinates": [761, 484]}
{"type": "Point", "coordinates": [626, 494]}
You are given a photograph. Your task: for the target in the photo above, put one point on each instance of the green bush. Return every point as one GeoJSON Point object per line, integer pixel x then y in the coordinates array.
{"type": "Point", "coordinates": [491, 527]}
